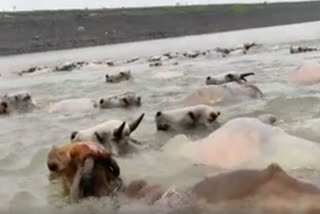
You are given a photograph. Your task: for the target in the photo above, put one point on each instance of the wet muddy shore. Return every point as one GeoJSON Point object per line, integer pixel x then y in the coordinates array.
{"type": "Point", "coordinates": [27, 32]}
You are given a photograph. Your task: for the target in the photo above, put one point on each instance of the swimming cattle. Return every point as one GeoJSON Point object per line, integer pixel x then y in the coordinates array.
{"type": "Point", "coordinates": [113, 134]}
{"type": "Point", "coordinates": [20, 101]}
{"type": "Point", "coordinates": [240, 50]}
{"type": "Point", "coordinates": [230, 77]}
{"type": "Point", "coordinates": [155, 64]}
{"type": "Point", "coordinates": [296, 50]}
{"type": "Point", "coordinates": [73, 165]}
{"type": "Point", "coordinates": [69, 66]}
{"type": "Point", "coordinates": [120, 101]}
{"type": "Point", "coordinates": [119, 77]}
{"type": "Point", "coordinates": [192, 54]}
{"type": "Point", "coordinates": [34, 69]}
{"type": "Point", "coordinates": [193, 117]}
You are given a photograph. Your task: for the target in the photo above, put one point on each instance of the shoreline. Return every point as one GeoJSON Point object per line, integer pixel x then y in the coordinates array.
{"type": "Point", "coordinates": [142, 49]}
{"type": "Point", "coordinates": [40, 31]}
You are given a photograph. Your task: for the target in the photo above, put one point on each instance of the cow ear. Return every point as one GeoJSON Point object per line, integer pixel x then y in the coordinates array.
{"type": "Point", "coordinates": [113, 167]}
{"type": "Point", "coordinates": [192, 116]}
{"type": "Point", "coordinates": [27, 97]}
{"type": "Point", "coordinates": [4, 104]}
{"type": "Point", "coordinates": [229, 77]}
{"type": "Point", "coordinates": [125, 101]}
{"type": "Point", "coordinates": [99, 137]}
{"type": "Point", "coordinates": [73, 135]}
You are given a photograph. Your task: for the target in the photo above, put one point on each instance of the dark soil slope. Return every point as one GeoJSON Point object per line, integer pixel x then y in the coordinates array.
{"type": "Point", "coordinates": [51, 30]}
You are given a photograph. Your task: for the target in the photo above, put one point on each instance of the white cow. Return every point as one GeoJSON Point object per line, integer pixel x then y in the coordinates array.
{"type": "Point", "coordinates": [192, 117]}
{"type": "Point", "coordinates": [120, 101]}
{"type": "Point", "coordinates": [20, 101]}
{"type": "Point", "coordinates": [113, 134]}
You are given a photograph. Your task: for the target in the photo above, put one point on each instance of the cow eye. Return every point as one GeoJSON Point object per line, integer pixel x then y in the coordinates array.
{"type": "Point", "coordinates": [4, 105]}
{"type": "Point", "coordinates": [27, 97]}
{"type": "Point", "coordinates": [210, 120]}
{"type": "Point", "coordinates": [53, 167]}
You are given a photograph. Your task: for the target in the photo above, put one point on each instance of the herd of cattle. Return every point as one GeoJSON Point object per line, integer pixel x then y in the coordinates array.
{"type": "Point", "coordinates": [75, 161]}
{"type": "Point", "coordinates": [198, 113]}
{"type": "Point", "coordinates": [115, 134]}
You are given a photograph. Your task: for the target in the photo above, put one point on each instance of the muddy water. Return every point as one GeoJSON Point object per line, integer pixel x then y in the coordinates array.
{"type": "Point", "coordinates": [25, 139]}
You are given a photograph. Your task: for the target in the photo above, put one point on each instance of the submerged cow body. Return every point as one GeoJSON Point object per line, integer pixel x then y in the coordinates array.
{"type": "Point", "coordinates": [307, 74]}
{"type": "Point", "coordinates": [71, 106]}
{"type": "Point", "coordinates": [247, 141]}
{"type": "Point", "coordinates": [217, 94]}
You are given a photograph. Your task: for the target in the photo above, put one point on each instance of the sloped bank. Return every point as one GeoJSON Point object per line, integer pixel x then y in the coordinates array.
{"type": "Point", "coordinates": [26, 32]}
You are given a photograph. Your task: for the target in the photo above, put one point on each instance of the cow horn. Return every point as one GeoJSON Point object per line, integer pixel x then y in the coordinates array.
{"type": "Point", "coordinates": [134, 125]}
{"type": "Point", "coordinates": [118, 132]}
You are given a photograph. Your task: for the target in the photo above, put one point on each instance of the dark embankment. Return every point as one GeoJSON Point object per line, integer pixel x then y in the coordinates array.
{"type": "Point", "coordinates": [26, 32]}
